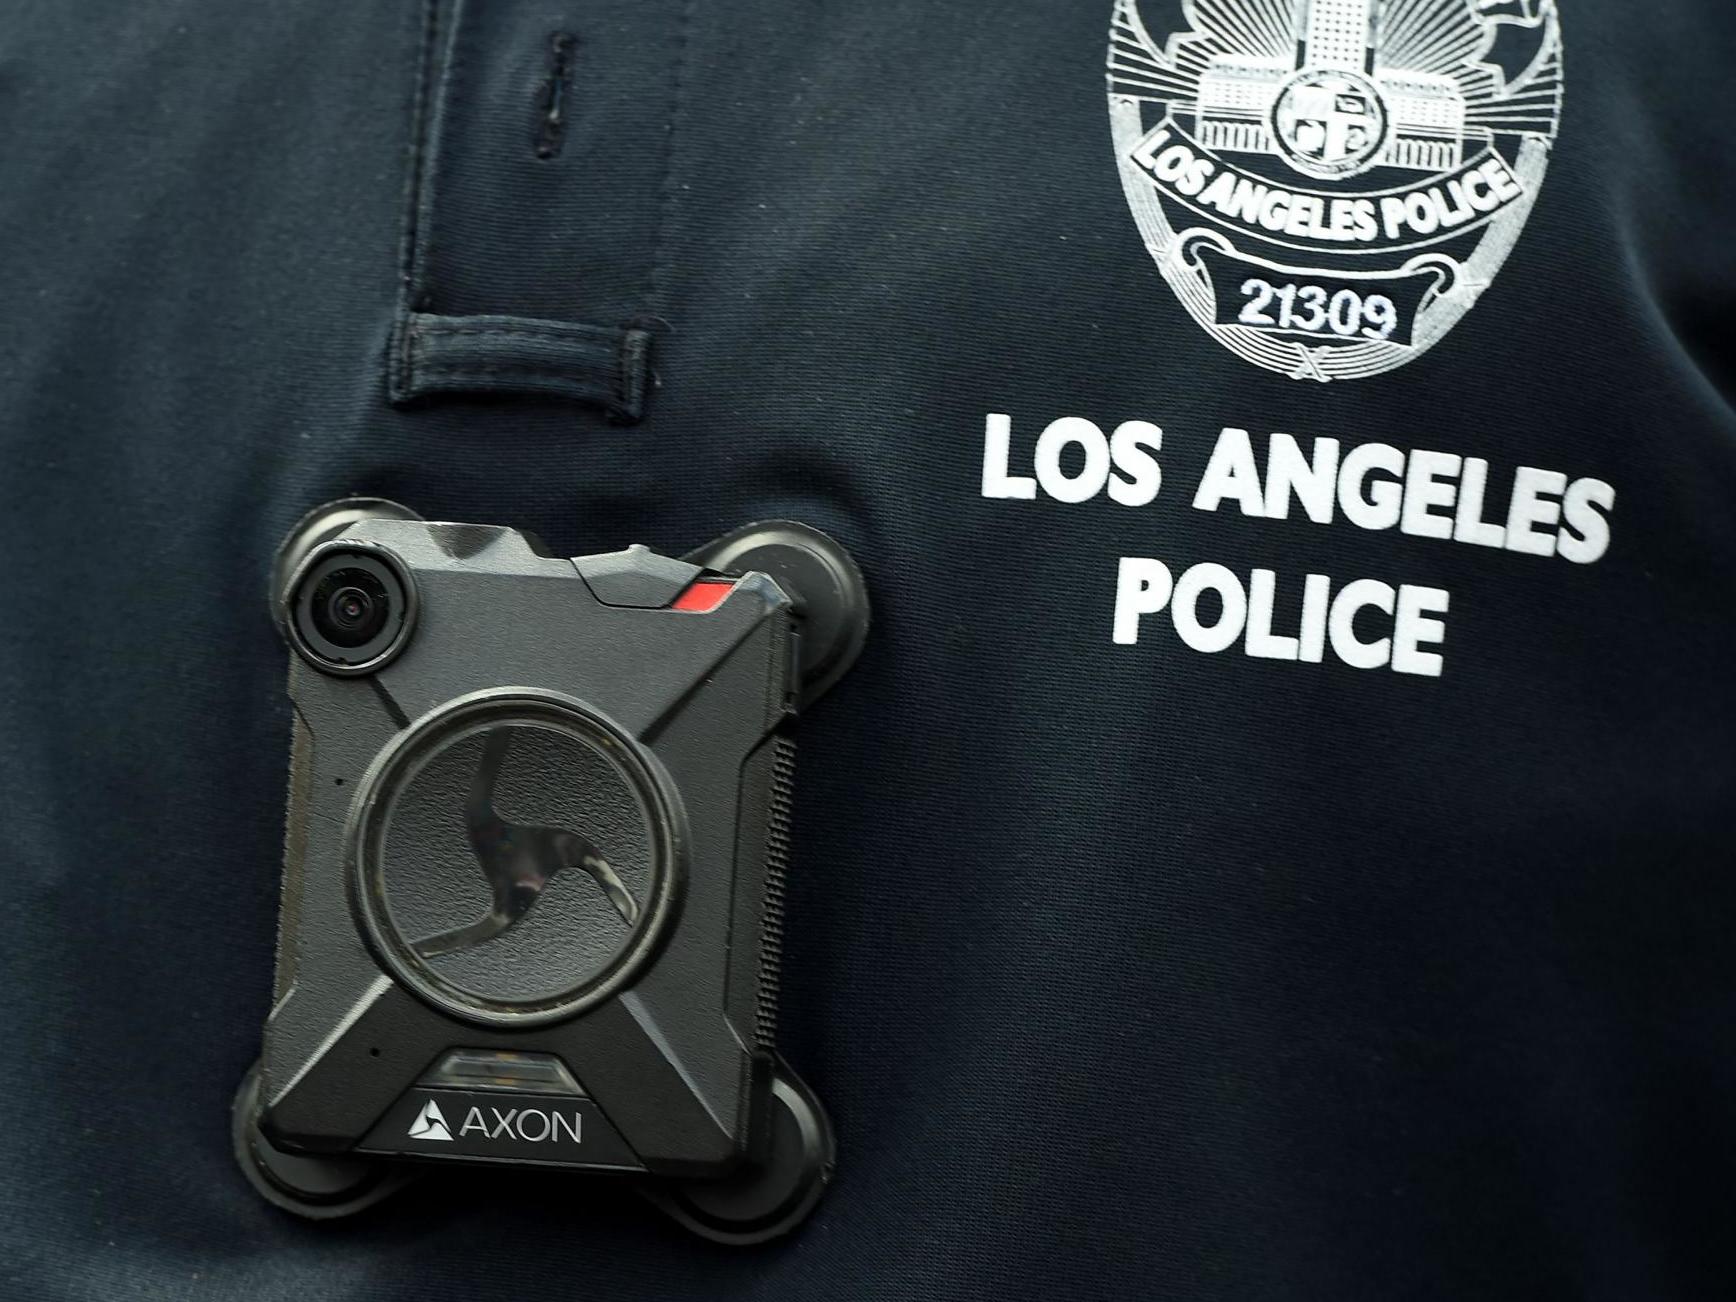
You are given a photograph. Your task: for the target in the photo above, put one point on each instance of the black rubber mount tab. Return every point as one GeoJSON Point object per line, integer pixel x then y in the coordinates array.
{"type": "Point", "coordinates": [818, 575]}
{"type": "Point", "coordinates": [319, 525]}
{"type": "Point", "coordinates": [771, 1196]}
{"type": "Point", "coordinates": [318, 1188]}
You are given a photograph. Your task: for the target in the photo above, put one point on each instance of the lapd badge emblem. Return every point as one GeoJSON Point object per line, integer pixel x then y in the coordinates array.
{"type": "Point", "coordinates": [1330, 185]}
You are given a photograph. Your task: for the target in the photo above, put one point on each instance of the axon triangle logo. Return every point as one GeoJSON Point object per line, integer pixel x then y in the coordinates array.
{"type": "Point", "coordinates": [430, 1124]}
{"type": "Point", "coordinates": [1330, 185]}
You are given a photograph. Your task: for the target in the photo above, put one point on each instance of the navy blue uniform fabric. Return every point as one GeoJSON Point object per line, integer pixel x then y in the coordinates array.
{"type": "Point", "coordinates": [1125, 971]}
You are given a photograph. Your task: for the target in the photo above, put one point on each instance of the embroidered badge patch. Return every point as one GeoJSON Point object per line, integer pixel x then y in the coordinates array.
{"type": "Point", "coordinates": [1329, 185]}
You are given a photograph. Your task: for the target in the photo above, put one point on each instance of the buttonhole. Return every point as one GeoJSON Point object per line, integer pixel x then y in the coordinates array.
{"type": "Point", "coordinates": [555, 95]}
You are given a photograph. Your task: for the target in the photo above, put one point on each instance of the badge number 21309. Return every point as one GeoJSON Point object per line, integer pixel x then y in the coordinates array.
{"type": "Point", "coordinates": [1312, 310]}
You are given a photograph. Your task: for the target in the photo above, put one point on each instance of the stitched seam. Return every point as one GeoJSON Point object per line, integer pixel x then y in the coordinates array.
{"type": "Point", "coordinates": [577, 335]}
{"type": "Point", "coordinates": [620, 391]}
{"type": "Point", "coordinates": [555, 373]}
{"type": "Point", "coordinates": [425, 58]}
{"type": "Point", "coordinates": [435, 378]}
{"type": "Point", "coordinates": [660, 262]}
{"type": "Point", "coordinates": [633, 358]}
{"type": "Point", "coordinates": [450, 96]}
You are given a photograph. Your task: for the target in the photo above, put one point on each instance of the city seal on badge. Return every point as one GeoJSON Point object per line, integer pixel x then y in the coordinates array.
{"type": "Point", "coordinates": [1329, 185]}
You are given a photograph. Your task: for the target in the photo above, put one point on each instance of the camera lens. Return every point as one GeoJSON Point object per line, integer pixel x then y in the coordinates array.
{"type": "Point", "coordinates": [350, 607]}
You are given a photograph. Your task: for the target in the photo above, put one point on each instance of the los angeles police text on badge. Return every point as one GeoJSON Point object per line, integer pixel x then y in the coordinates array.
{"type": "Point", "coordinates": [1363, 623]}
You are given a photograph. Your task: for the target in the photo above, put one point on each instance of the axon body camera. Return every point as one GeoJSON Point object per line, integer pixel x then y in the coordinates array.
{"type": "Point", "coordinates": [533, 871]}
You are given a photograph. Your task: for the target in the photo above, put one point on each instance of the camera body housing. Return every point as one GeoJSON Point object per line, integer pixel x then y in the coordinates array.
{"type": "Point", "coordinates": [533, 877]}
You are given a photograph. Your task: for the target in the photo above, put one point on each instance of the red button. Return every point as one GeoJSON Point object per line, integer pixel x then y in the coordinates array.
{"type": "Point", "coordinates": [706, 594]}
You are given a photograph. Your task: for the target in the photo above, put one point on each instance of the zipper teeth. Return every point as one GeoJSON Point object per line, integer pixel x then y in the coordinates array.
{"type": "Point", "coordinates": [777, 865]}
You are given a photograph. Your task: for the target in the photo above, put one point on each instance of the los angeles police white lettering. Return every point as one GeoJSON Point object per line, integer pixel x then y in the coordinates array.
{"type": "Point", "coordinates": [1424, 494]}
{"type": "Point", "coordinates": [1129, 452]}
{"type": "Point", "coordinates": [1363, 623]}
{"type": "Point", "coordinates": [1145, 587]}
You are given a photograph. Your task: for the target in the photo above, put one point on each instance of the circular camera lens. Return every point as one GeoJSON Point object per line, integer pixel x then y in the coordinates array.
{"type": "Point", "coordinates": [351, 610]}
{"type": "Point", "coordinates": [350, 607]}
